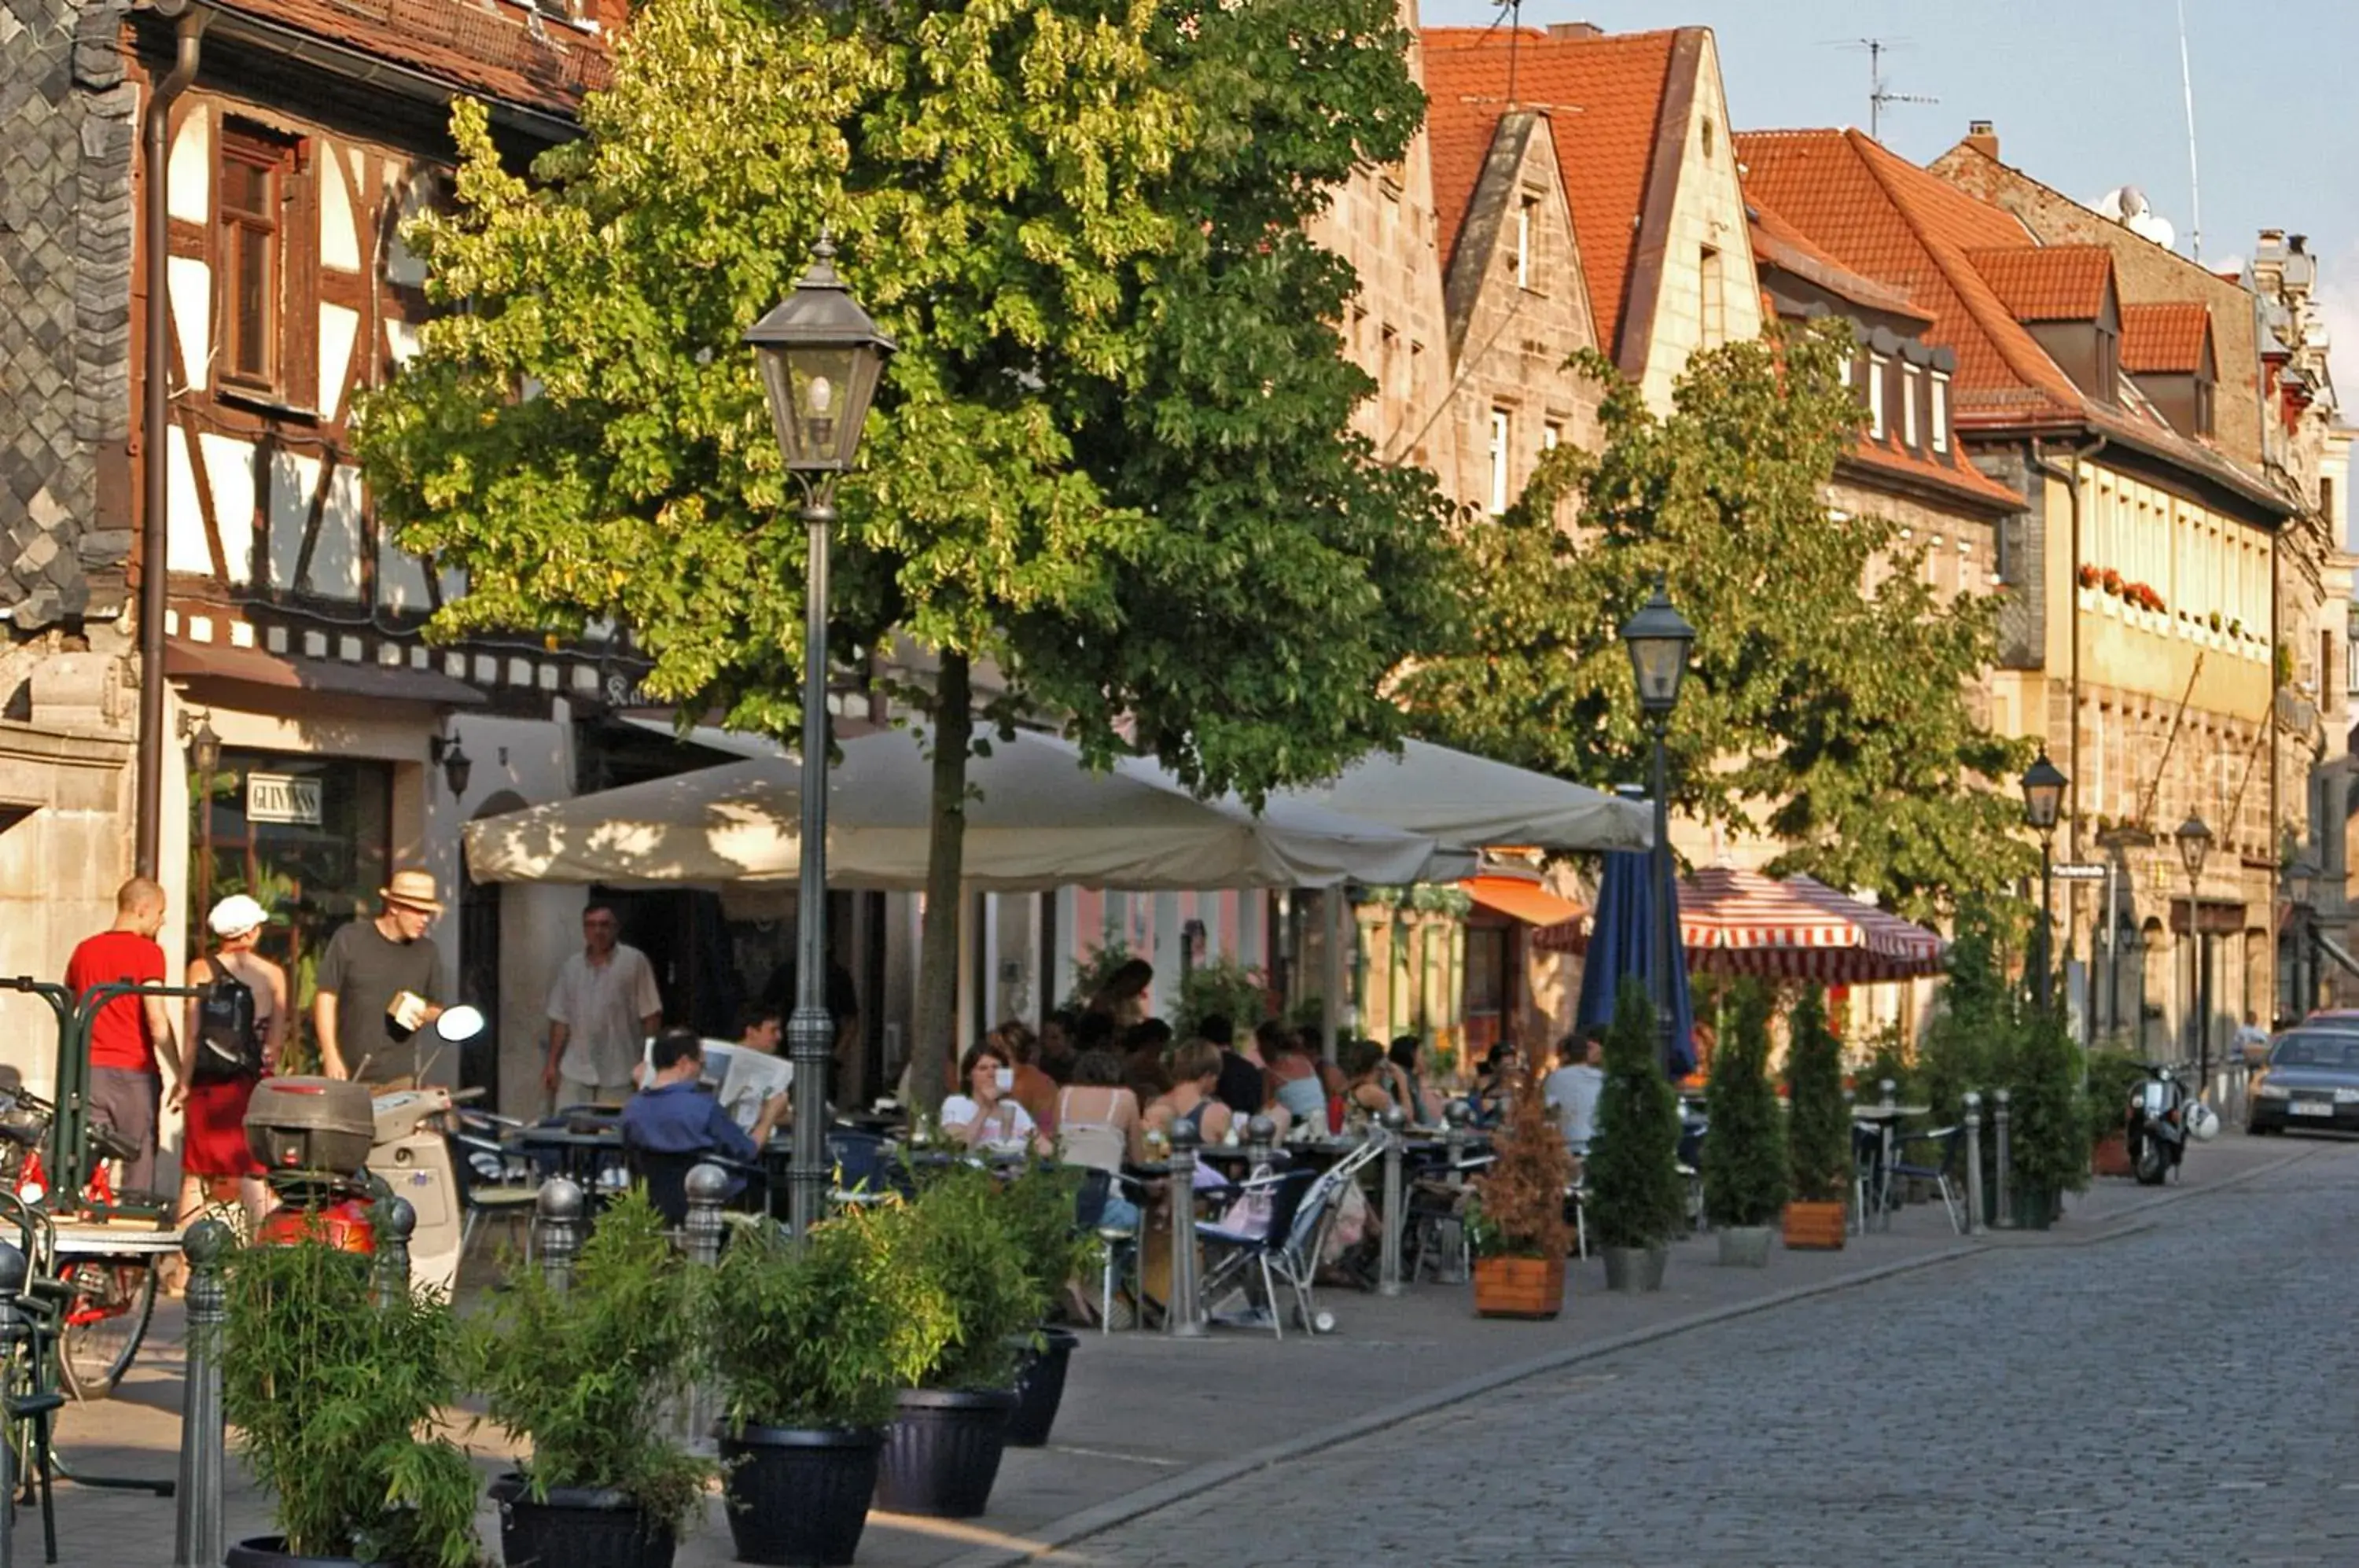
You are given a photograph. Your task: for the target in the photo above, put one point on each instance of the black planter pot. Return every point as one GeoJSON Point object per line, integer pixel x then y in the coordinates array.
{"type": "Point", "coordinates": [264, 1551]}
{"type": "Point", "coordinates": [798, 1497]}
{"type": "Point", "coordinates": [1040, 1386]}
{"type": "Point", "coordinates": [942, 1454]}
{"type": "Point", "coordinates": [576, 1526]}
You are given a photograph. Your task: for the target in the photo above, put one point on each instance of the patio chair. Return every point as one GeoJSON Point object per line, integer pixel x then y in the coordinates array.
{"type": "Point", "coordinates": [666, 1176]}
{"type": "Point", "coordinates": [1120, 1241]}
{"type": "Point", "coordinates": [863, 1166]}
{"type": "Point", "coordinates": [1943, 1172]}
{"type": "Point", "coordinates": [488, 1190]}
{"type": "Point", "coordinates": [1265, 1248]}
{"type": "Point", "coordinates": [1297, 1263]}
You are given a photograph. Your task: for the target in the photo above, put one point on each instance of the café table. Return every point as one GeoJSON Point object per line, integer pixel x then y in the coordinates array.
{"type": "Point", "coordinates": [579, 1156]}
{"type": "Point", "coordinates": [1884, 1119]}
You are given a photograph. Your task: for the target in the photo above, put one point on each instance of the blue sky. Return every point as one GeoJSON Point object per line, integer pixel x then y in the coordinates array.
{"type": "Point", "coordinates": [2085, 94]}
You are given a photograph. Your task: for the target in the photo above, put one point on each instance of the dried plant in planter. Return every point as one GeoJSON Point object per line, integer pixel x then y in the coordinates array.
{"type": "Point", "coordinates": [1519, 1209]}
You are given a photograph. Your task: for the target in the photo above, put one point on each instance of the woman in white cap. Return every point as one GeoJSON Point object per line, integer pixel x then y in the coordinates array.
{"type": "Point", "coordinates": [214, 1151]}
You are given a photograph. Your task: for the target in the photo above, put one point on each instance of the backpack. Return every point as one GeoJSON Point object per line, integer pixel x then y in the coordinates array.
{"type": "Point", "coordinates": [228, 1046]}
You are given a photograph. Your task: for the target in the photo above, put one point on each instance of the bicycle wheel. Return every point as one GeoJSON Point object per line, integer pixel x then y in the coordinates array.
{"type": "Point", "coordinates": [106, 1320]}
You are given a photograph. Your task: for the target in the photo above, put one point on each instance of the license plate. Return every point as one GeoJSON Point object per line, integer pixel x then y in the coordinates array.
{"type": "Point", "coordinates": [2309, 1108]}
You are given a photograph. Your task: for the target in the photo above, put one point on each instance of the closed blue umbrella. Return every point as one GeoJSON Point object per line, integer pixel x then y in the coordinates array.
{"type": "Point", "coordinates": [1627, 938]}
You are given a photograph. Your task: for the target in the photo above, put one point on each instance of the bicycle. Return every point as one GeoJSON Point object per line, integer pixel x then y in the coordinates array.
{"type": "Point", "coordinates": [108, 1292]}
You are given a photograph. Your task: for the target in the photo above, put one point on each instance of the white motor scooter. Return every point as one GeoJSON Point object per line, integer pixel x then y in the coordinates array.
{"type": "Point", "coordinates": [411, 1153]}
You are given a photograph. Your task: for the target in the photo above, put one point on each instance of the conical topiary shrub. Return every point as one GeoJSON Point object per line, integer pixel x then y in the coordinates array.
{"type": "Point", "coordinates": [1633, 1169]}
{"type": "Point", "coordinates": [1818, 1129]}
{"type": "Point", "coordinates": [1744, 1156]}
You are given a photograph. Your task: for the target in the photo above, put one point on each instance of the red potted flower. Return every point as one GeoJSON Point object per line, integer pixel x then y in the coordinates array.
{"type": "Point", "coordinates": [2113, 581]}
{"type": "Point", "coordinates": [2089, 575]}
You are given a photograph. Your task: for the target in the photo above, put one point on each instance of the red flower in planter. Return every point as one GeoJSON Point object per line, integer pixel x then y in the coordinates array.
{"type": "Point", "coordinates": [2089, 575]}
{"type": "Point", "coordinates": [2113, 581]}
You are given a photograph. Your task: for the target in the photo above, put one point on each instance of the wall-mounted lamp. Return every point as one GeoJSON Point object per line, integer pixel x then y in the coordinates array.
{"type": "Point", "coordinates": [205, 747]}
{"type": "Point", "coordinates": [457, 766]}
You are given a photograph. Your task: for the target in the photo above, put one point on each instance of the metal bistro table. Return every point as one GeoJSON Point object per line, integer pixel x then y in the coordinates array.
{"type": "Point", "coordinates": [1885, 1120]}
{"type": "Point", "coordinates": [579, 1156]}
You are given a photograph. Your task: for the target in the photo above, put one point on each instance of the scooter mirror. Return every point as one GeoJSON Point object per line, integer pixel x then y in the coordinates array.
{"type": "Point", "coordinates": [459, 1024]}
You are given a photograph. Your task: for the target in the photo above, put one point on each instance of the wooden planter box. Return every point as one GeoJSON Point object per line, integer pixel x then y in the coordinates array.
{"type": "Point", "coordinates": [1518, 1287]}
{"type": "Point", "coordinates": [1819, 1227]}
{"type": "Point", "coordinates": [2111, 1156]}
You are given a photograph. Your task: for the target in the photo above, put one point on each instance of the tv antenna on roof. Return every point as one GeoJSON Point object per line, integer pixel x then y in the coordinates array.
{"type": "Point", "coordinates": [1878, 94]}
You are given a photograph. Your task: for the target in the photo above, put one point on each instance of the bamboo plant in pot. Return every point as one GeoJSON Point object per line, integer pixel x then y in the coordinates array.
{"type": "Point", "coordinates": [588, 1375]}
{"type": "Point", "coordinates": [1515, 1221]}
{"type": "Point", "coordinates": [1817, 1130]}
{"type": "Point", "coordinates": [1038, 1207]}
{"type": "Point", "coordinates": [942, 1450]}
{"type": "Point", "coordinates": [2050, 1137]}
{"type": "Point", "coordinates": [1745, 1157]}
{"type": "Point", "coordinates": [811, 1347]}
{"type": "Point", "coordinates": [1634, 1200]}
{"type": "Point", "coordinates": [332, 1394]}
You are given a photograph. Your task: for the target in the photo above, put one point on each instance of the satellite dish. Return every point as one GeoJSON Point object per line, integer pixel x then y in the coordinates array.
{"type": "Point", "coordinates": [2128, 206]}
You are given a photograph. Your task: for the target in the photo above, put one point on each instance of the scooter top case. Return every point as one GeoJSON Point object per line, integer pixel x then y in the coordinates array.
{"type": "Point", "coordinates": [311, 1124]}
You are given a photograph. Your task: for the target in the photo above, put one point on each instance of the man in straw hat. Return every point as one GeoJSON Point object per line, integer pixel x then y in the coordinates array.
{"type": "Point", "coordinates": [377, 983]}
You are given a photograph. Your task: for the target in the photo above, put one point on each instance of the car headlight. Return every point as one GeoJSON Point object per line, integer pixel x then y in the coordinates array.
{"type": "Point", "coordinates": [2347, 1097]}
{"type": "Point", "coordinates": [2280, 1092]}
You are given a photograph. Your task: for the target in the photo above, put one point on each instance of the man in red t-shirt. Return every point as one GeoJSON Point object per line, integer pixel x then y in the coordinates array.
{"type": "Point", "coordinates": [131, 1034]}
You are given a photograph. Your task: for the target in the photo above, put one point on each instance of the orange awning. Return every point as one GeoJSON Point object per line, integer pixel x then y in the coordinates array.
{"type": "Point", "coordinates": [1527, 901]}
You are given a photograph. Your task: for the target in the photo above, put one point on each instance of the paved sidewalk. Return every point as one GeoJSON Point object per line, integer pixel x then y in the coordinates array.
{"type": "Point", "coordinates": [1148, 1419]}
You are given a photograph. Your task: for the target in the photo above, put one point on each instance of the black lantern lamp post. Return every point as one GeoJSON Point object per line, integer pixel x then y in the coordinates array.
{"type": "Point", "coordinates": [821, 357]}
{"type": "Point", "coordinates": [2194, 845]}
{"type": "Point", "coordinates": [2043, 798]}
{"type": "Point", "coordinates": [2301, 884]}
{"type": "Point", "coordinates": [1659, 638]}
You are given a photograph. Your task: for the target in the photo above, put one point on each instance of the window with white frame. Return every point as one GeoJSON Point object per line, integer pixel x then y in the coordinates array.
{"type": "Point", "coordinates": [1938, 422]}
{"type": "Point", "coordinates": [1551, 436]}
{"type": "Point", "coordinates": [1524, 244]}
{"type": "Point", "coordinates": [1502, 433]}
{"type": "Point", "coordinates": [1876, 396]}
{"type": "Point", "coordinates": [1912, 382]}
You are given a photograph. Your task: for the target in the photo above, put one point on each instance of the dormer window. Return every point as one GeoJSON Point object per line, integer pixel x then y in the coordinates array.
{"type": "Point", "coordinates": [1912, 385]}
{"type": "Point", "coordinates": [1876, 396]}
{"type": "Point", "coordinates": [2204, 406]}
{"type": "Point", "coordinates": [1939, 419]}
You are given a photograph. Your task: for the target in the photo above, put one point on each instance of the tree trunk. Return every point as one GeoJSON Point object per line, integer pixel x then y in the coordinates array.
{"type": "Point", "coordinates": [935, 1039]}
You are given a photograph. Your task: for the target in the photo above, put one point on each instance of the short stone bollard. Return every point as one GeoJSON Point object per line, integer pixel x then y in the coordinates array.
{"type": "Point", "coordinates": [1261, 1135]}
{"type": "Point", "coordinates": [395, 1222]}
{"type": "Point", "coordinates": [2005, 1157]}
{"type": "Point", "coordinates": [556, 1226]}
{"type": "Point", "coordinates": [1973, 1120]}
{"type": "Point", "coordinates": [1182, 1318]}
{"type": "Point", "coordinates": [199, 1538]}
{"type": "Point", "coordinates": [1388, 1269]}
{"type": "Point", "coordinates": [708, 1190]}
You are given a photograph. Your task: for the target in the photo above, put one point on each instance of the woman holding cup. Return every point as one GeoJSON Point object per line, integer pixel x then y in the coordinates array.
{"type": "Point", "coordinates": [987, 1113]}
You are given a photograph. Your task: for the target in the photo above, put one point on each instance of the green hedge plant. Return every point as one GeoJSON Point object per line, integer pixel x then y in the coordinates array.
{"type": "Point", "coordinates": [967, 1252]}
{"type": "Point", "coordinates": [1633, 1166]}
{"type": "Point", "coordinates": [2048, 1137]}
{"type": "Point", "coordinates": [1039, 1208]}
{"type": "Point", "coordinates": [1818, 1131]}
{"type": "Point", "coordinates": [1745, 1157]}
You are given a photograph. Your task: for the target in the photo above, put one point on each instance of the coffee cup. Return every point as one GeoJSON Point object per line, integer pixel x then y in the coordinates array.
{"type": "Point", "coordinates": [1006, 1079]}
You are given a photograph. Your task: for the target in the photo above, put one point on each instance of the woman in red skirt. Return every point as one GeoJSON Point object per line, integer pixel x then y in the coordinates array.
{"type": "Point", "coordinates": [214, 1154]}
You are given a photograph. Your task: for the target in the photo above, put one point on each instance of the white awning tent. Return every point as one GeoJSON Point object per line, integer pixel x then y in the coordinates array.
{"type": "Point", "coordinates": [1038, 820]}
{"type": "Point", "coordinates": [1472, 803]}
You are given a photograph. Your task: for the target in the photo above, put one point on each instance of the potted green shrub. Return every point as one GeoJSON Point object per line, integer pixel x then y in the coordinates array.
{"type": "Point", "coordinates": [811, 1347]}
{"type": "Point", "coordinates": [1744, 1156]}
{"type": "Point", "coordinates": [1634, 1200]}
{"type": "Point", "coordinates": [1515, 1221]}
{"type": "Point", "coordinates": [2114, 1077]}
{"type": "Point", "coordinates": [1039, 1208]}
{"type": "Point", "coordinates": [1818, 1129]}
{"type": "Point", "coordinates": [942, 1450]}
{"type": "Point", "coordinates": [332, 1396]}
{"type": "Point", "coordinates": [2049, 1141]}
{"type": "Point", "coordinates": [589, 1376]}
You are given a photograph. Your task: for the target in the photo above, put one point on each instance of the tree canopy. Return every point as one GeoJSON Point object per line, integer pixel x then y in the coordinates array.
{"type": "Point", "coordinates": [1112, 456]}
{"type": "Point", "coordinates": [1829, 703]}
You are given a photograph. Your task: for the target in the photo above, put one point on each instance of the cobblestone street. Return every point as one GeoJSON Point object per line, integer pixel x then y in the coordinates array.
{"type": "Point", "coordinates": [2169, 1395]}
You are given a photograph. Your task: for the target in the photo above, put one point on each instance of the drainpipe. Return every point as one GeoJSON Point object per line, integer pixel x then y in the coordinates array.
{"type": "Point", "coordinates": [155, 411]}
{"type": "Point", "coordinates": [2070, 476]}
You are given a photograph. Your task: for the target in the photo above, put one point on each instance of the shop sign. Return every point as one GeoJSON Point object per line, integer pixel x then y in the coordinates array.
{"type": "Point", "coordinates": [282, 797]}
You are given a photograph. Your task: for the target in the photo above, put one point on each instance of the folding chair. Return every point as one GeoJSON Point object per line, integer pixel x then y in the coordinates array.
{"type": "Point", "coordinates": [1265, 1248]}
{"type": "Point", "coordinates": [1296, 1264]}
{"type": "Point", "coordinates": [1950, 1142]}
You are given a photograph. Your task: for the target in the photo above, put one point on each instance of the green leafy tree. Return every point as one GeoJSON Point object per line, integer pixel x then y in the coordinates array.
{"type": "Point", "coordinates": [1633, 1168]}
{"type": "Point", "coordinates": [1828, 702]}
{"type": "Point", "coordinates": [1818, 1132]}
{"type": "Point", "coordinates": [1745, 1158]}
{"type": "Point", "coordinates": [1113, 457]}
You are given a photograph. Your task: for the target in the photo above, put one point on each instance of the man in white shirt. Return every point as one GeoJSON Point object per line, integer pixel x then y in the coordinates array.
{"type": "Point", "coordinates": [1572, 1090]}
{"type": "Point", "coordinates": [602, 1007]}
{"type": "Point", "coordinates": [2252, 1041]}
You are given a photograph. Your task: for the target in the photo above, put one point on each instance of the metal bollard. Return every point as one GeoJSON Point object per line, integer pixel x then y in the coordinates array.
{"type": "Point", "coordinates": [395, 1222]}
{"type": "Point", "coordinates": [557, 1220]}
{"type": "Point", "coordinates": [1261, 1135]}
{"type": "Point", "coordinates": [2005, 1157]}
{"type": "Point", "coordinates": [199, 1538]}
{"type": "Point", "coordinates": [1973, 1125]}
{"type": "Point", "coordinates": [1453, 1138]}
{"type": "Point", "coordinates": [1180, 1313]}
{"type": "Point", "coordinates": [708, 1188]}
{"type": "Point", "coordinates": [1389, 1271]}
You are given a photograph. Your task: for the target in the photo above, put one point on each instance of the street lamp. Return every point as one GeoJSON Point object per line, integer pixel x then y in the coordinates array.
{"type": "Point", "coordinates": [2043, 797]}
{"type": "Point", "coordinates": [1659, 638]}
{"type": "Point", "coordinates": [2301, 882]}
{"type": "Point", "coordinates": [819, 356]}
{"type": "Point", "coordinates": [2194, 843]}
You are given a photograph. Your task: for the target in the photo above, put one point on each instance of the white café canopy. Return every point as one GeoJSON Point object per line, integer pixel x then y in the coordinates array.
{"type": "Point", "coordinates": [1038, 819]}
{"type": "Point", "coordinates": [1472, 803]}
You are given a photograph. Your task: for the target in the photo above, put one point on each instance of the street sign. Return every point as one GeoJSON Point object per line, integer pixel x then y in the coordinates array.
{"type": "Point", "coordinates": [2078, 873]}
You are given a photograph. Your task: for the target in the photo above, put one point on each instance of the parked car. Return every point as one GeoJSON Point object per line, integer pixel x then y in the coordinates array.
{"type": "Point", "coordinates": [2311, 1080]}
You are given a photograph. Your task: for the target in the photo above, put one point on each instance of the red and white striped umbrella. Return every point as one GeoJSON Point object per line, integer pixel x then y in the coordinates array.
{"type": "Point", "coordinates": [1741, 923]}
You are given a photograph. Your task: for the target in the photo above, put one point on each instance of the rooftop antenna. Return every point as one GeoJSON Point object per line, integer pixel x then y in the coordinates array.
{"type": "Point", "coordinates": [1515, 9]}
{"type": "Point", "coordinates": [1878, 95]}
{"type": "Point", "coordinates": [2195, 178]}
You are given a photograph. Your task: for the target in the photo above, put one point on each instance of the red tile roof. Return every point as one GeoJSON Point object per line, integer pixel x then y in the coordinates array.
{"type": "Point", "coordinates": [1952, 472]}
{"type": "Point", "coordinates": [487, 50]}
{"type": "Point", "coordinates": [1458, 133]}
{"type": "Point", "coordinates": [2166, 339]}
{"type": "Point", "coordinates": [2047, 283]}
{"type": "Point", "coordinates": [1604, 96]}
{"type": "Point", "coordinates": [1778, 244]}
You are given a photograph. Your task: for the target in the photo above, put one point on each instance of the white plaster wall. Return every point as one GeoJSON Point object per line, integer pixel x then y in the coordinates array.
{"type": "Point", "coordinates": [188, 287]}
{"type": "Point", "coordinates": [336, 558]}
{"type": "Point", "coordinates": [292, 479]}
{"type": "Point", "coordinates": [184, 533]}
{"type": "Point", "coordinates": [339, 328]}
{"type": "Point", "coordinates": [189, 174]}
{"type": "Point", "coordinates": [229, 468]}
{"type": "Point", "coordinates": [340, 241]}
